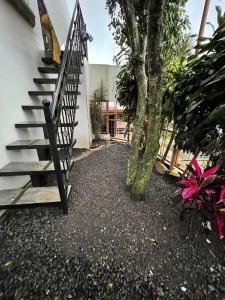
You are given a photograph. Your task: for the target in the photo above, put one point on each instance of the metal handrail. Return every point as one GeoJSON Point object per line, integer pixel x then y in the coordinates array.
{"type": "Point", "coordinates": [60, 114]}
{"type": "Point", "coordinates": [56, 93]}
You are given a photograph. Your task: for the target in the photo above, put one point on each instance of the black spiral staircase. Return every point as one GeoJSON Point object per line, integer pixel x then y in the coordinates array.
{"type": "Point", "coordinates": [55, 149]}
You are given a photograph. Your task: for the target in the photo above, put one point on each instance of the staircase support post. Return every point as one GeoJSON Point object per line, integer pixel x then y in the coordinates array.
{"type": "Point", "coordinates": [55, 155]}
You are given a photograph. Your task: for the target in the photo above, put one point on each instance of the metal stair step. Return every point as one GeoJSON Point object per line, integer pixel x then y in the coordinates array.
{"type": "Point", "coordinates": [33, 144]}
{"type": "Point", "coordinates": [49, 70]}
{"type": "Point", "coordinates": [27, 168]}
{"type": "Point", "coordinates": [47, 60]}
{"type": "Point", "coordinates": [9, 196]}
{"type": "Point", "coordinates": [27, 144]}
{"type": "Point", "coordinates": [30, 196]}
{"type": "Point", "coordinates": [53, 70]}
{"type": "Point", "coordinates": [30, 107]}
{"type": "Point", "coordinates": [34, 196]}
{"type": "Point", "coordinates": [45, 80]}
{"type": "Point", "coordinates": [50, 93]}
{"type": "Point", "coordinates": [53, 81]}
{"type": "Point", "coordinates": [31, 124]}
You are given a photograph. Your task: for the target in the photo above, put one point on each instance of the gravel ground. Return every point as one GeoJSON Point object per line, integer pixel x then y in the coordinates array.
{"type": "Point", "coordinates": [109, 247]}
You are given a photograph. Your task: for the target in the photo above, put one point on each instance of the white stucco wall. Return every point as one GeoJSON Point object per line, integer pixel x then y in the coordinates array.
{"type": "Point", "coordinates": [108, 74]}
{"type": "Point", "coordinates": [60, 18]}
{"type": "Point", "coordinates": [83, 131]}
{"type": "Point", "coordinates": [21, 48]}
{"type": "Point", "coordinates": [90, 81]}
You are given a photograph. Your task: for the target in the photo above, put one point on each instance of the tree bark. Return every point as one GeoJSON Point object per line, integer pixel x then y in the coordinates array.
{"type": "Point", "coordinates": [133, 158]}
{"type": "Point", "coordinates": [138, 46]}
{"type": "Point", "coordinates": [155, 66]}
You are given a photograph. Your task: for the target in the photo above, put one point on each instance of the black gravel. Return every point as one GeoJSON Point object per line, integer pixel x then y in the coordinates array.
{"type": "Point", "coordinates": [109, 247]}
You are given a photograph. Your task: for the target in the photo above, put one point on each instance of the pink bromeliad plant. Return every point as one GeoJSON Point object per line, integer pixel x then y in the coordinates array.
{"type": "Point", "coordinates": [205, 190]}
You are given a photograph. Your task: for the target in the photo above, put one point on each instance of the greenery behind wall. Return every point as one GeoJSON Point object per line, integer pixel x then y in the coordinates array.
{"type": "Point", "coordinates": [97, 119]}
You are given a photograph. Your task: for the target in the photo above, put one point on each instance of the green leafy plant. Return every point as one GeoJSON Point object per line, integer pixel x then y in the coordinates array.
{"type": "Point", "coordinates": [199, 109]}
{"type": "Point", "coordinates": [97, 119]}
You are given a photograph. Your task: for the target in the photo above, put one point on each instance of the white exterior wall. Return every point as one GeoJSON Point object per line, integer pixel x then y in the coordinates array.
{"type": "Point", "coordinates": [108, 73]}
{"type": "Point", "coordinates": [60, 18]}
{"type": "Point", "coordinates": [82, 132]}
{"type": "Point", "coordinates": [20, 51]}
{"type": "Point", "coordinates": [90, 81]}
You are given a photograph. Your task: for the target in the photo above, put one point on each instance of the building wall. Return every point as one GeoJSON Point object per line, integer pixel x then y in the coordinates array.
{"type": "Point", "coordinates": [60, 18]}
{"type": "Point", "coordinates": [20, 51]}
{"type": "Point", "coordinates": [108, 74]}
{"type": "Point", "coordinates": [90, 81]}
{"type": "Point", "coordinates": [82, 132]}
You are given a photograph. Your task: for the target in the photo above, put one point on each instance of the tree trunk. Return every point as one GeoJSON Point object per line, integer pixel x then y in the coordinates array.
{"type": "Point", "coordinates": [138, 46]}
{"type": "Point", "coordinates": [152, 144]}
{"type": "Point", "coordinates": [155, 65]}
{"type": "Point", "coordinates": [138, 125]}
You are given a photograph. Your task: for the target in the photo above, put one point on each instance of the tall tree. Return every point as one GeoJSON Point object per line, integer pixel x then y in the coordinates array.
{"type": "Point", "coordinates": [138, 24]}
{"type": "Point", "coordinates": [155, 68]}
{"type": "Point", "coordinates": [133, 25]}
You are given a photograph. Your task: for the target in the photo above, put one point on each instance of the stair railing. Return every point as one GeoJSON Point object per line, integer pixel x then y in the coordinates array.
{"type": "Point", "coordinates": [60, 113]}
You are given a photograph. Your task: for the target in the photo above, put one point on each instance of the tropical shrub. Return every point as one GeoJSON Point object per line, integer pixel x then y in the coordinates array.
{"type": "Point", "coordinates": [199, 109]}
{"type": "Point", "coordinates": [204, 191]}
{"type": "Point", "coordinates": [97, 119]}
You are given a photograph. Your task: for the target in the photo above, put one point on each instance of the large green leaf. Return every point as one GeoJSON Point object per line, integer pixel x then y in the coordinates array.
{"type": "Point", "coordinates": [216, 114]}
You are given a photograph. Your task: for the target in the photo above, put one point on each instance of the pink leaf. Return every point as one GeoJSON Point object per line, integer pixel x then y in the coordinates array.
{"type": "Point", "coordinates": [222, 196]}
{"type": "Point", "coordinates": [189, 192]}
{"type": "Point", "coordinates": [210, 192]}
{"type": "Point", "coordinates": [196, 166]}
{"type": "Point", "coordinates": [211, 171]}
{"type": "Point", "coordinates": [222, 193]}
{"type": "Point", "coordinates": [186, 182]}
{"type": "Point", "coordinates": [219, 221]}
